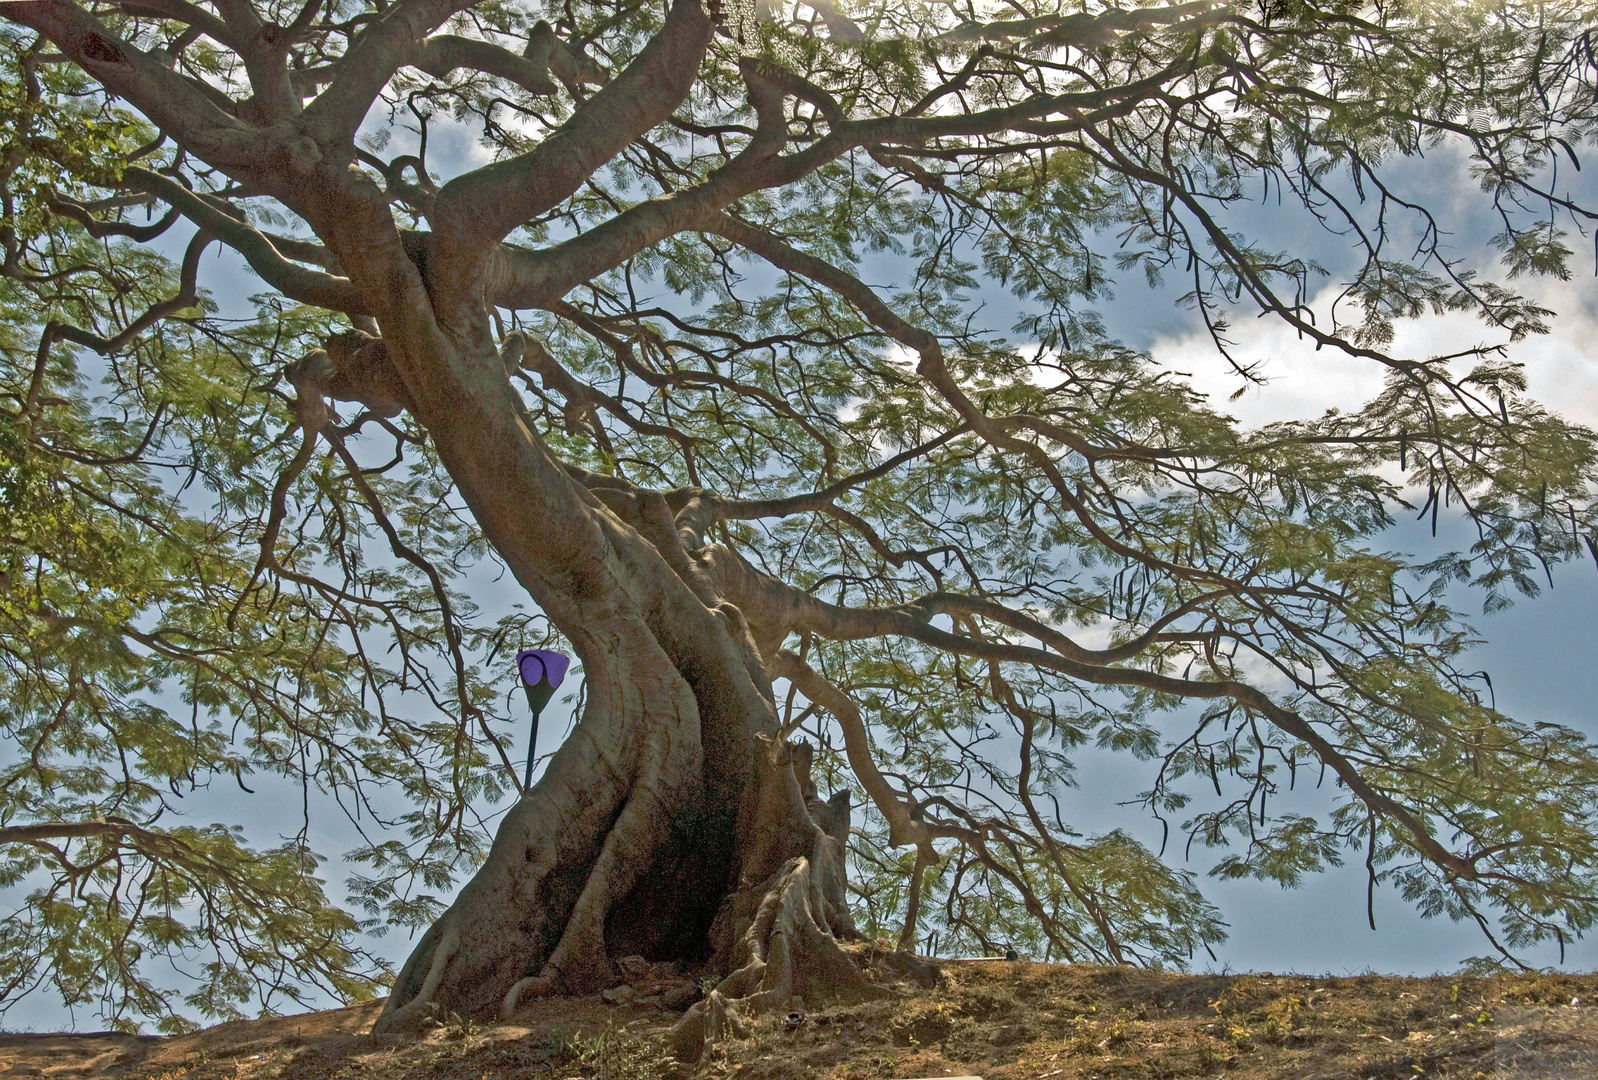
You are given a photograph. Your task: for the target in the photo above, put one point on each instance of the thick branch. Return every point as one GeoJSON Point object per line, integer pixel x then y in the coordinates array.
{"type": "Point", "coordinates": [1082, 30]}
{"type": "Point", "coordinates": [178, 107]}
{"type": "Point", "coordinates": [444, 53]}
{"type": "Point", "coordinates": [192, 14]}
{"type": "Point", "coordinates": [474, 212]}
{"type": "Point", "coordinates": [382, 48]}
{"type": "Point", "coordinates": [295, 282]}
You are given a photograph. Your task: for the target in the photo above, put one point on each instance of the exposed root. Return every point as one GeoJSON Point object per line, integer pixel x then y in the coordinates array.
{"type": "Point", "coordinates": [787, 950]}
{"type": "Point", "coordinates": [407, 1015]}
{"type": "Point", "coordinates": [924, 973]}
{"type": "Point", "coordinates": [579, 962]}
{"type": "Point", "coordinates": [778, 921]}
{"type": "Point", "coordinates": [531, 987]}
{"type": "Point", "coordinates": [566, 852]}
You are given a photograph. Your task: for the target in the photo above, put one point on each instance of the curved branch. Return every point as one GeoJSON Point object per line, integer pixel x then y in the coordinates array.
{"type": "Point", "coordinates": [698, 510]}
{"type": "Point", "coordinates": [1023, 789]}
{"type": "Point", "coordinates": [150, 843]}
{"type": "Point", "coordinates": [180, 108]}
{"type": "Point", "coordinates": [997, 431]}
{"type": "Point", "coordinates": [382, 47]}
{"type": "Point", "coordinates": [98, 229]}
{"type": "Point", "coordinates": [582, 397]}
{"type": "Point", "coordinates": [475, 211]}
{"type": "Point", "coordinates": [806, 613]}
{"type": "Point", "coordinates": [446, 609]}
{"type": "Point", "coordinates": [186, 296]}
{"type": "Point", "coordinates": [1081, 30]}
{"type": "Point", "coordinates": [444, 53]}
{"type": "Point", "coordinates": [902, 828]}
{"type": "Point", "coordinates": [536, 279]}
{"type": "Point", "coordinates": [295, 282]}
{"type": "Point", "coordinates": [184, 12]}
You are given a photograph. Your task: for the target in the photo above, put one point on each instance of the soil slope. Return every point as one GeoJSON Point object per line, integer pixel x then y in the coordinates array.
{"type": "Point", "coordinates": [1002, 1021]}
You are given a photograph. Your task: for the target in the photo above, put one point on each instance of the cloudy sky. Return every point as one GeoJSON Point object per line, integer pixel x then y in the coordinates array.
{"type": "Point", "coordinates": [1540, 654]}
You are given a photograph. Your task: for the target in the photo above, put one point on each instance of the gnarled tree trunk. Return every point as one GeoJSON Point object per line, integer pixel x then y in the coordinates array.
{"type": "Point", "coordinates": [674, 823]}
{"type": "Point", "coordinates": [674, 811]}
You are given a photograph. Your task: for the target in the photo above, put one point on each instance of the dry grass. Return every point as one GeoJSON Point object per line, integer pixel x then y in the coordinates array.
{"type": "Point", "coordinates": [1003, 1021]}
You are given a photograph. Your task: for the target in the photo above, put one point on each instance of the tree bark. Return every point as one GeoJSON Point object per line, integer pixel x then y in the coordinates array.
{"type": "Point", "coordinates": [673, 823]}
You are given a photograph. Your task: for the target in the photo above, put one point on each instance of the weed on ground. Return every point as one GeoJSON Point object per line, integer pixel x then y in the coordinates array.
{"type": "Point", "coordinates": [998, 1020]}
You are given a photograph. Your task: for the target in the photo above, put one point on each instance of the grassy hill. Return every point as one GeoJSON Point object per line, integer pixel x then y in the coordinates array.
{"type": "Point", "coordinates": [1002, 1021]}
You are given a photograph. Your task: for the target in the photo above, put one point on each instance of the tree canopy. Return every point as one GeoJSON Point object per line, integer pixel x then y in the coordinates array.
{"type": "Point", "coordinates": [624, 347]}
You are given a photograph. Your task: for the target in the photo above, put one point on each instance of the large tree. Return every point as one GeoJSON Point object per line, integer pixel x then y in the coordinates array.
{"type": "Point", "coordinates": [629, 352]}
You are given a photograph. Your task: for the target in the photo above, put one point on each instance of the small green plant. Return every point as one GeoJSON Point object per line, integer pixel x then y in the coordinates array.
{"type": "Point", "coordinates": [1283, 1018]}
{"type": "Point", "coordinates": [1119, 1033]}
{"type": "Point", "coordinates": [457, 1026]}
{"type": "Point", "coordinates": [612, 1054]}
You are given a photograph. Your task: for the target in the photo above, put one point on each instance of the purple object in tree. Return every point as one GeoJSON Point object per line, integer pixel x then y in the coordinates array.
{"type": "Point", "coordinates": [541, 671]}
{"type": "Point", "coordinates": [539, 665]}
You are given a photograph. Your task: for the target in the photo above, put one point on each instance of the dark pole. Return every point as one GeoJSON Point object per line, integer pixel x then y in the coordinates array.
{"type": "Point", "coordinates": [532, 739]}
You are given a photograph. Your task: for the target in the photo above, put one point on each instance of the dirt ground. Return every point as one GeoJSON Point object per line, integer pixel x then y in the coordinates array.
{"type": "Point", "coordinates": [997, 1020]}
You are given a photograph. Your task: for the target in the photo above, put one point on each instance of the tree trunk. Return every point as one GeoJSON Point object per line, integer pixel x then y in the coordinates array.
{"type": "Point", "coordinates": [673, 823]}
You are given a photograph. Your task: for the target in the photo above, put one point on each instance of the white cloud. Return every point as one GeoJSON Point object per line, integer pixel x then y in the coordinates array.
{"type": "Point", "coordinates": [1561, 367]}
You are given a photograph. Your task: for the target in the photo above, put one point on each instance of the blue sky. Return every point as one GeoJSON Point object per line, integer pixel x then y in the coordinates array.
{"type": "Point", "coordinates": [1541, 654]}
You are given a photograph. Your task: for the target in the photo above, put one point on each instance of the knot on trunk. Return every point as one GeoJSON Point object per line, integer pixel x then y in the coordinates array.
{"type": "Point", "coordinates": [352, 366]}
{"type": "Point", "coordinates": [571, 66]}
{"type": "Point", "coordinates": [308, 375]}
